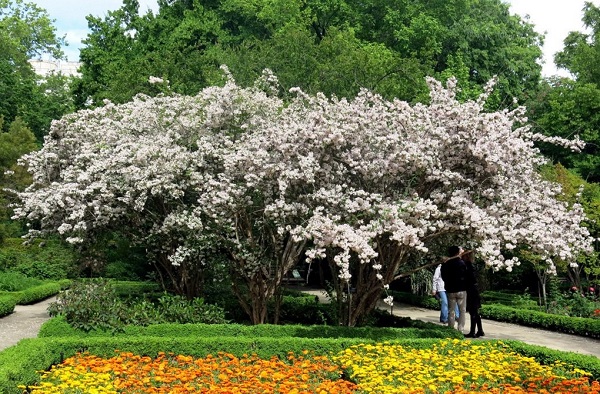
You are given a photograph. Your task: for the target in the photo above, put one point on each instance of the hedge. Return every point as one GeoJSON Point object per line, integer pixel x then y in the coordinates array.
{"type": "Point", "coordinates": [587, 327]}
{"type": "Point", "coordinates": [58, 327]}
{"type": "Point", "coordinates": [7, 304]}
{"type": "Point", "coordinates": [18, 364]}
{"type": "Point", "coordinates": [41, 292]}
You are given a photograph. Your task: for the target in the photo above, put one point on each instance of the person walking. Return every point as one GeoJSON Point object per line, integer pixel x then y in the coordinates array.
{"type": "Point", "coordinates": [454, 275]}
{"type": "Point", "coordinates": [439, 292]}
{"type": "Point", "coordinates": [473, 297]}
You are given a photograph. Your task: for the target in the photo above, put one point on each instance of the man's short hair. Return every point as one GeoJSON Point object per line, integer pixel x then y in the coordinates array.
{"type": "Point", "coordinates": [453, 250]}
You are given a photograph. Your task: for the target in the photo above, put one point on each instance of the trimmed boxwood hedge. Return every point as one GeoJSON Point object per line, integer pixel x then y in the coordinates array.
{"type": "Point", "coordinates": [571, 325]}
{"type": "Point", "coordinates": [58, 327]}
{"type": "Point", "coordinates": [41, 292]}
{"type": "Point", "coordinates": [7, 304]}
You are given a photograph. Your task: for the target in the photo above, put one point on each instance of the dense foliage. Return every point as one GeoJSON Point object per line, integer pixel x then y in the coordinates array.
{"type": "Point", "coordinates": [335, 47]}
{"type": "Point", "coordinates": [94, 305]}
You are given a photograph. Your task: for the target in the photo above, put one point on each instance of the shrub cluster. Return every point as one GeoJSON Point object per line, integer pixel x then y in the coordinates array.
{"type": "Point", "coordinates": [93, 304]}
{"type": "Point", "coordinates": [47, 259]}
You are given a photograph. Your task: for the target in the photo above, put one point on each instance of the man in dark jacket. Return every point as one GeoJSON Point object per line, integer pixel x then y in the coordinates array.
{"type": "Point", "coordinates": [454, 274]}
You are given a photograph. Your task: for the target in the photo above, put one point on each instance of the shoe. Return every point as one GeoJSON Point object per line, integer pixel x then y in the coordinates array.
{"type": "Point", "coordinates": [444, 321]}
{"type": "Point", "coordinates": [469, 335]}
{"type": "Point", "coordinates": [479, 334]}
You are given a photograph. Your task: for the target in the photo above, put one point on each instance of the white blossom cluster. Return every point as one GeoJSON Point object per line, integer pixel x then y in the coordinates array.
{"type": "Point", "coordinates": [366, 179]}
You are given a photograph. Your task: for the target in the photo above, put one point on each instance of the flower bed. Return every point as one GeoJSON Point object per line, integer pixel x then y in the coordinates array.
{"type": "Point", "coordinates": [448, 366]}
{"type": "Point", "coordinates": [224, 373]}
{"type": "Point", "coordinates": [455, 366]}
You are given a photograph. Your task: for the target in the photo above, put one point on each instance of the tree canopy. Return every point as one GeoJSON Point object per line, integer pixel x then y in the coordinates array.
{"type": "Point", "coordinates": [334, 47]}
{"type": "Point", "coordinates": [26, 31]}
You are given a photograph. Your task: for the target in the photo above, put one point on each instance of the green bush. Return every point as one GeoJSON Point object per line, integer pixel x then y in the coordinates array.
{"type": "Point", "coordinates": [572, 304]}
{"type": "Point", "coordinates": [93, 304]}
{"type": "Point", "coordinates": [16, 281]}
{"type": "Point", "coordinates": [7, 304]}
{"type": "Point", "coordinates": [134, 289]}
{"type": "Point", "coordinates": [42, 259]}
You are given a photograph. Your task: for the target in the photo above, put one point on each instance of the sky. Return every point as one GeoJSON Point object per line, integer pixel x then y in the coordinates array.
{"type": "Point", "coordinates": [555, 18]}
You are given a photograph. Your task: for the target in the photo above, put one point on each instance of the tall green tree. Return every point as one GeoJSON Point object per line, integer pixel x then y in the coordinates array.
{"type": "Point", "coordinates": [337, 47]}
{"type": "Point", "coordinates": [15, 142]}
{"type": "Point", "coordinates": [581, 52]}
{"type": "Point", "coordinates": [26, 31]}
{"type": "Point", "coordinates": [565, 108]}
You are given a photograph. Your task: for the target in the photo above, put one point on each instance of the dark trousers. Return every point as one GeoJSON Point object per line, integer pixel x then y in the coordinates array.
{"type": "Point", "coordinates": [475, 321]}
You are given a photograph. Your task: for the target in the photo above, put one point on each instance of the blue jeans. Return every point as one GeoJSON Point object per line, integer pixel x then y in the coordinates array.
{"type": "Point", "coordinates": [444, 311]}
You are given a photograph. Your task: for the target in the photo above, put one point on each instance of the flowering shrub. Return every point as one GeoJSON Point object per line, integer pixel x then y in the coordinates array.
{"type": "Point", "coordinates": [236, 175]}
{"type": "Point", "coordinates": [225, 373]}
{"type": "Point", "coordinates": [457, 367]}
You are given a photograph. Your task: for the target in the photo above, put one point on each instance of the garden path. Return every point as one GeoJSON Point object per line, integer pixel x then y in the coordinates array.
{"type": "Point", "coordinates": [24, 322]}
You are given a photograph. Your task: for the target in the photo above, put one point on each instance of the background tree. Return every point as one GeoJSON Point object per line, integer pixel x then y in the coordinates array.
{"type": "Point", "coordinates": [26, 31]}
{"type": "Point", "coordinates": [567, 108]}
{"type": "Point", "coordinates": [17, 141]}
{"type": "Point", "coordinates": [335, 47]}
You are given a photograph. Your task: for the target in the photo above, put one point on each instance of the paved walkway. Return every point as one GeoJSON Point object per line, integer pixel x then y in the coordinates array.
{"type": "Point", "coordinates": [26, 321]}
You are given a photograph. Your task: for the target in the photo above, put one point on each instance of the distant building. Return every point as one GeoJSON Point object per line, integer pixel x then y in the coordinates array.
{"type": "Point", "coordinates": [44, 67]}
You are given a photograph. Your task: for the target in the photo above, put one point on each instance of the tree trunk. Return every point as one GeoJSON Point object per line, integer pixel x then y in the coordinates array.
{"type": "Point", "coordinates": [366, 288]}
{"type": "Point", "coordinates": [264, 283]}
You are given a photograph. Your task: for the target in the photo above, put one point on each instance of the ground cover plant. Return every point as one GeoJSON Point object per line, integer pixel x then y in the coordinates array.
{"type": "Point", "coordinates": [448, 366]}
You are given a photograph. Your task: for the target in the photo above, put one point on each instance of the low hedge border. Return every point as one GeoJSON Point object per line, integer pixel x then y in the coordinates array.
{"type": "Point", "coordinates": [41, 292]}
{"type": "Point", "coordinates": [58, 327]}
{"type": "Point", "coordinates": [586, 327]}
{"type": "Point", "coordinates": [7, 304]}
{"type": "Point", "coordinates": [570, 325]}
{"type": "Point", "coordinates": [18, 364]}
